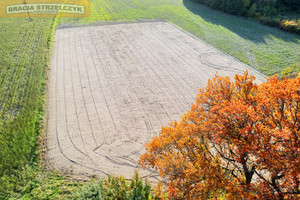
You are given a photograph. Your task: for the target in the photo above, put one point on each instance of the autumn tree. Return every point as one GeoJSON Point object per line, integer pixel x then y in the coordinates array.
{"type": "Point", "coordinates": [239, 140]}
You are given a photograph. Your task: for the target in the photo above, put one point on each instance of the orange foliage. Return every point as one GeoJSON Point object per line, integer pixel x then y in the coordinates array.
{"type": "Point", "coordinates": [240, 140]}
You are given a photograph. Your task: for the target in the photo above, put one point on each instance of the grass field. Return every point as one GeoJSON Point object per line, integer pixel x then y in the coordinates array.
{"type": "Point", "coordinates": [23, 56]}
{"type": "Point", "coordinates": [24, 46]}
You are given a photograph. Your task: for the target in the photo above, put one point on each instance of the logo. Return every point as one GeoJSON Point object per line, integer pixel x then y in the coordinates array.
{"type": "Point", "coordinates": [45, 8]}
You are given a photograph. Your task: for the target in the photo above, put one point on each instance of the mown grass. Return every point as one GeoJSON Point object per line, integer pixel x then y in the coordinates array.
{"type": "Point", "coordinates": [268, 49]}
{"type": "Point", "coordinates": [24, 49]}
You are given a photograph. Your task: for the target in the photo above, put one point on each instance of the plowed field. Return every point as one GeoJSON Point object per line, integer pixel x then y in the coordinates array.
{"type": "Point", "coordinates": [112, 87]}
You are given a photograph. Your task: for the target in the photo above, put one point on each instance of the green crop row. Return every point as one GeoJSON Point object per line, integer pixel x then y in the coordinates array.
{"type": "Point", "coordinates": [23, 55]}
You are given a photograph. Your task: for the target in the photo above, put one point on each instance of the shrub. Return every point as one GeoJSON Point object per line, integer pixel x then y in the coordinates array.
{"type": "Point", "coordinates": [252, 11]}
{"type": "Point", "coordinates": [117, 188]}
{"type": "Point", "coordinates": [287, 71]}
{"type": "Point", "coordinates": [291, 26]}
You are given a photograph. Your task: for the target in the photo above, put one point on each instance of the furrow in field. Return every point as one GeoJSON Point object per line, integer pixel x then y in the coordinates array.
{"type": "Point", "coordinates": [112, 87]}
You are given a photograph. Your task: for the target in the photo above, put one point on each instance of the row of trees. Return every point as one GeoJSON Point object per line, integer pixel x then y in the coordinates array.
{"type": "Point", "coordinates": [269, 12]}
{"type": "Point", "coordinates": [242, 6]}
{"type": "Point", "coordinates": [240, 140]}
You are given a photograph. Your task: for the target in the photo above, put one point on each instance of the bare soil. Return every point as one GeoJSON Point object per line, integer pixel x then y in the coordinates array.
{"type": "Point", "coordinates": [112, 87]}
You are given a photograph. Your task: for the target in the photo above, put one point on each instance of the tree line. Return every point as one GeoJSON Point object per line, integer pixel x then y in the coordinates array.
{"type": "Point", "coordinates": [283, 14]}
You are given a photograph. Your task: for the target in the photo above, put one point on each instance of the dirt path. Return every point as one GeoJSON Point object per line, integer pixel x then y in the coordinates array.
{"type": "Point", "coordinates": [112, 87]}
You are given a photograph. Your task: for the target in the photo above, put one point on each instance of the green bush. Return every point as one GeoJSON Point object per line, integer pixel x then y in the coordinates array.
{"type": "Point", "coordinates": [115, 188]}
{"type": "Point", "coordinates": [287, 71]}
